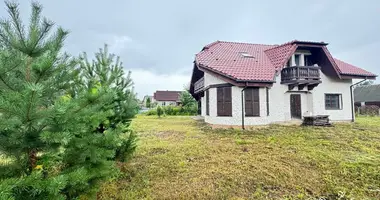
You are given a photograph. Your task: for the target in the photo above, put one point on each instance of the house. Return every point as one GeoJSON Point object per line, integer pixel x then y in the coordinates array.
{"type": "Point", "coordinates": [166, 98]}
{"type": "Point", "coordinates": [367, 95]}
{"type": "Point", "coordinates": [257, 84]}
{"type": "Point", "coordinates": [146, 97]}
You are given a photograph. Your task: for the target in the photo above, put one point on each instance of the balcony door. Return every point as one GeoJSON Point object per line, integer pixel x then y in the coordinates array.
{"type": "Point", "coordinates": [295, 106]}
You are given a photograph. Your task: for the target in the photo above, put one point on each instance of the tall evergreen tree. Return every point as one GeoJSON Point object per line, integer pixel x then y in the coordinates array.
{"type": "Point", "coordinates": [148, 102]}
{"type": "Point", "coordinates": [106, 70]}
{"type": "Point", "coordinates": [49, 122]}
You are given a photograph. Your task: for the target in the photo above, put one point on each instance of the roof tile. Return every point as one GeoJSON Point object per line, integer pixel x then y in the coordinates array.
{"type": "Point", "coordinates": [227, 59]}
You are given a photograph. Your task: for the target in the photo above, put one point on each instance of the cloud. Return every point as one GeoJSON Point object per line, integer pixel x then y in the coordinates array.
{"type": "Point", "coordinates": [147, 82]}
{"type": "Point", "coordinates": [119, 43]}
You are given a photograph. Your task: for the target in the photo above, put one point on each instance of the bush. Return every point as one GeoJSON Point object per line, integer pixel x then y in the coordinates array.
{"type": "Point", "coordinates": [371, 110]}
{"type": "Point", "coordinates": [151, 112]}
{"type": "Point", "coordinates": [160, 111]}
{"type": "Point", "coordinates": [174, 110]}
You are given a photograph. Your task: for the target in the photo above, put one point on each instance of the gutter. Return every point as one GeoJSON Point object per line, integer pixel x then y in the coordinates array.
{"type": "Point", "coordinates": [242, 107]}
{"type": "Point", "coordinates": [352, 100]}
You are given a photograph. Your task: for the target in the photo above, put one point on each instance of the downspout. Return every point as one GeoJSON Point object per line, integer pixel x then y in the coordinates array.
{"type": "Point", "coordinates": [242, 106]}
{"type": "Point", "coordinates": [352, 100]}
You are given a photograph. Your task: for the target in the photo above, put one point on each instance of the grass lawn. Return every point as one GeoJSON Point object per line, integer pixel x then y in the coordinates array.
{"type": "Point", "coordinates": [178, 158]}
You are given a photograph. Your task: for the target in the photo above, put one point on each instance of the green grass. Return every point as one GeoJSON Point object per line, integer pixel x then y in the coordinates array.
{"type": "Point", "coordinates": [178, 158]}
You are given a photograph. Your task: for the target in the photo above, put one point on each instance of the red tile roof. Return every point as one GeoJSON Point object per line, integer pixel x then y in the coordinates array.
{"type": "Point", "coordinates": [167, 95]}
{"type": "Point", "coordinates": [348, 69]}
{"type": "Point", "coordinates": [226, 58]}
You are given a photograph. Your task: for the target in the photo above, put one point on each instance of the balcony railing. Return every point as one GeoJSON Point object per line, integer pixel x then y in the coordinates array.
{"type": "Point", "coordinates": [298, 73]}
{"type": "Point", "coordinates": [199, 85]}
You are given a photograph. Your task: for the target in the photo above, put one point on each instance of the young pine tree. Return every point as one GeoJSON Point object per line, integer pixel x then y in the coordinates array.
{"type": "Point", "coordinates": [189, 104]}
{"type": "Point", "coordinates": [106, 71]}
{"type": "Point", "coordinates": [148, 102]}
{"type": "Point", "coordinates": [49, 131]}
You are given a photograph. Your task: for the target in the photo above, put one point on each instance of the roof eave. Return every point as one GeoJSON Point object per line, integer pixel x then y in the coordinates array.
{"type": "Point", "coordinates": [233, 80]}
{"type": "Point", "coordinates": [357, 76]}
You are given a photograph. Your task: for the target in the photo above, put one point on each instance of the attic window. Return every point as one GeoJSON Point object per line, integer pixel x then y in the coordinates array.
{"type": "Point", "coordinates": [246, 55]}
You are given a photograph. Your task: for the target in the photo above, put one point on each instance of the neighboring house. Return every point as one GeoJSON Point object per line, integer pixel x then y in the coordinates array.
{"type": "Point", "coordinates": [258, 84]}
{"type": "Point", "coordinates": [367, 95]}
{"type": "Point", "coordinates": [166, 98]}
{"type": "Point", "coordinates": [146, 98]}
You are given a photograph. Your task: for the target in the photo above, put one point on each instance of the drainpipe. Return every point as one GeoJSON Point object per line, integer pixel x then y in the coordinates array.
{"type": "Point", "coordinates": [352, 101]}
{"type": "Point", "coordinates": [242, 107]}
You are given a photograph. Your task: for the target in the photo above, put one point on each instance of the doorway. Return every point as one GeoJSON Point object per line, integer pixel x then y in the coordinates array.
{"type": "Point", "coordinates": [295, 106]}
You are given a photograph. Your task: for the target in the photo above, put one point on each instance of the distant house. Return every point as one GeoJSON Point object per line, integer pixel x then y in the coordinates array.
{"type": "Point", "coordinates": [256, 84]}
{"type": "Point", "coordinates": [367, 95]}
{"type": "Point", "coordinates": [165, 98]}
{"type": "Point", "coordinates": [146, 97]}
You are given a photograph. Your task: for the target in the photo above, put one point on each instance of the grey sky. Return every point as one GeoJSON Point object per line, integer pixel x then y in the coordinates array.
{"type": "Point", "coordinates": [157, 40]}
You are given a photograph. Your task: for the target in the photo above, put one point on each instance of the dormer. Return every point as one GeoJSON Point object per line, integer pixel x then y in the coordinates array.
{"type": "Point", "coordinates": [301, 58]}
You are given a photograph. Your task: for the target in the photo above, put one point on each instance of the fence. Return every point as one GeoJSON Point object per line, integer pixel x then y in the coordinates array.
{"type": "Point", "coordinates": [370, 110]}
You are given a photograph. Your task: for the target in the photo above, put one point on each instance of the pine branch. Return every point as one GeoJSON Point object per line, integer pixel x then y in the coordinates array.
{"type": "Point", "coordinates": [5, 83]}
{"type": "Point", "coordinates": [14, 13]}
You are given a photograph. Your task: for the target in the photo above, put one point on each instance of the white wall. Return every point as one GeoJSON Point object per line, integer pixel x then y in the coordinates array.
{"type": "Point", "coordinates": [312, 102]}
{"type": "Point", "coordinates": [334, 86]}
{"type": "Point", "coordinates": [161, 103]}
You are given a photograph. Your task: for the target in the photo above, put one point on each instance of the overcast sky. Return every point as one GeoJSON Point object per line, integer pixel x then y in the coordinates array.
{"type": "Point", "coordinates": [157, 40]}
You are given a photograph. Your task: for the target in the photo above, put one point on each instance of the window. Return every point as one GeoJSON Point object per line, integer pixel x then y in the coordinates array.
{"type": "Point", "coordinates": [207, 103]}
{"type": "Point", "coordinates": [333, 101]}
{"type": "Point", "coordinates": [252, 102]}
{"type": "Point", "coordinates": [297, 59]}
{"type": "Point", "coordinates": [308, 61]}
{"type": "Point", "coordinates": [246, 55]}
{"type": "Point", "coordinates": [224, 101]}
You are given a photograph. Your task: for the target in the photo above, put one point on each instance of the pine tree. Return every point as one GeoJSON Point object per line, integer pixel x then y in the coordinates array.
{"type": "Point", "coordinates": [49, 122]}
{"type": "Point", "coordinates": [106, 71]}
{"type": "Point", "coordinates": [189, 104]}
{"type": "Point", "coordinates": [148, 102]}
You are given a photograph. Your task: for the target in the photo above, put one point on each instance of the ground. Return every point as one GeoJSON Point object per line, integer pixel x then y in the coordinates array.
{"type": "Point", "coordinates": [179, 158]}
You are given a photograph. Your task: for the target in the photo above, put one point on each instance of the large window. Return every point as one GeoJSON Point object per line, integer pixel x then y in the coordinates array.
{"type": "Point", "coordinates": [333, 101]}
{"type": "Point", "coordinates": [207, 103]}
{"type": "Point", "coordinates": [252, 102]}
{"type": "Point", "coordinates": [224, 101]}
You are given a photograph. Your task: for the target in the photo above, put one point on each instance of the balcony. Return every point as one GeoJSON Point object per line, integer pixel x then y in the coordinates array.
{"type": "Point", "coordinates": [300, 75]}
{"type": "Point", "coordinates": [199, 85]}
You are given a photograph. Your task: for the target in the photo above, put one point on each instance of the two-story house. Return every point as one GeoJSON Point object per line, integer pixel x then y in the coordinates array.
{"type": "Point", "coordinates": [259, 84]}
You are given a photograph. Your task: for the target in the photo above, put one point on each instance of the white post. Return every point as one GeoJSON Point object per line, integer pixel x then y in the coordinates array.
{"type": "Point", "coordinates": [293, 61]}
{"type": "Point", "coordinates": [302, 60]}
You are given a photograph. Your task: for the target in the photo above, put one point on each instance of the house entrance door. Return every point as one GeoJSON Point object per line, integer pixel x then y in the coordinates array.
{"type": "Point", "coordinates": [295, 106]}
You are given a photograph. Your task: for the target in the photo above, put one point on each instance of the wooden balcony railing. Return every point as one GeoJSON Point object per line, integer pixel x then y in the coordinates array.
{"type": "Point", "coordinates": [199, 85]}
{"type": "Point", "coordinates": [298, 73]}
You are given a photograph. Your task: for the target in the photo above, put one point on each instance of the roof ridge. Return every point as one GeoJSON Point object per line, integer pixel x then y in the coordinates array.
{"type": "Point", "coordinates": [373, 85]}
{"type": "Point", "coordinates": [280, 45]}
{"type": "Point", "coordinates": [245, 43]}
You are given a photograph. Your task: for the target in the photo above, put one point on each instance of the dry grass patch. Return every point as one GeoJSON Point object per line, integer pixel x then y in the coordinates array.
{"type": "Point", "coordinates": [178, 158]}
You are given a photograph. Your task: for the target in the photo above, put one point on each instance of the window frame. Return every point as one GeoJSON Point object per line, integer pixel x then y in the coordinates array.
{"type": "Point", "coordinates": [253, 102]}
{"type": "Point", "coordinates": [221, 111]}
{"type": "Point", "coordinates": [340, 101]}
